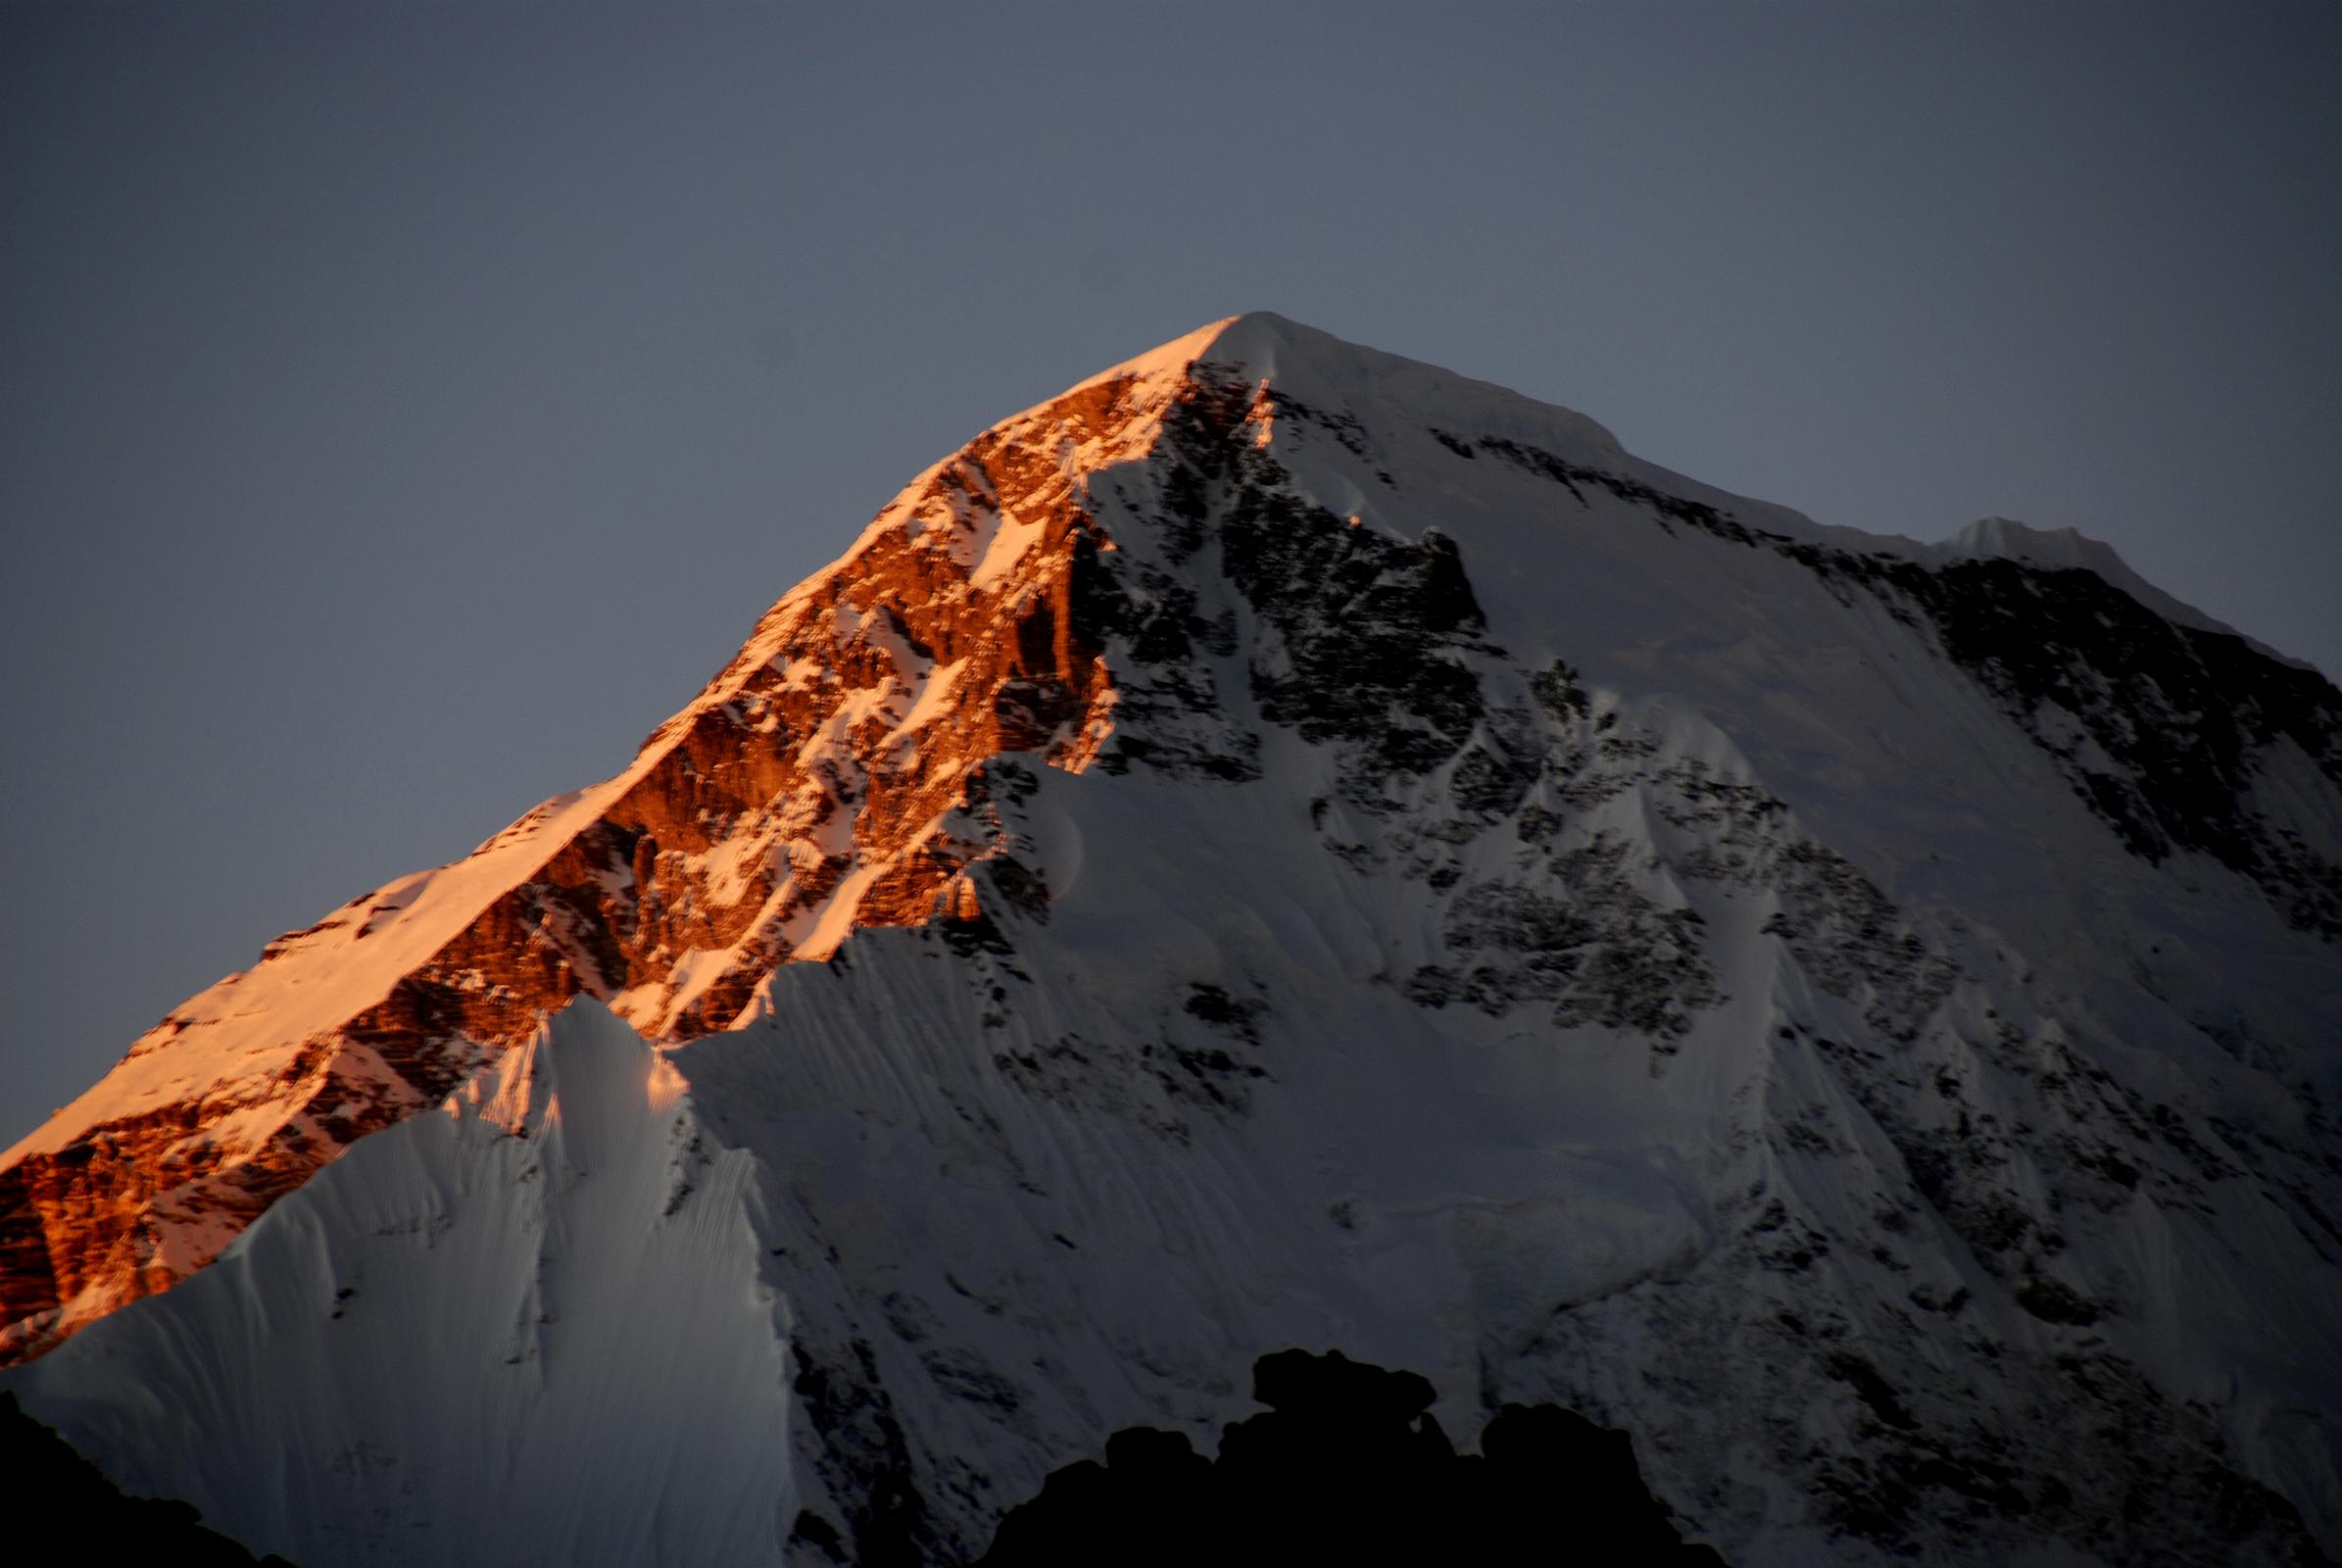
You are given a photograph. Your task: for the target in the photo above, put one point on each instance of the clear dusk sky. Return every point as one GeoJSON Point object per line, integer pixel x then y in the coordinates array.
{"type": "Point", "coordinates": [402, 408]}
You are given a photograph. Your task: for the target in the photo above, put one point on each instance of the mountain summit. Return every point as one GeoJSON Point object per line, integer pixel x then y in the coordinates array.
{"type": "Point", "coordinates": [1286, 846]}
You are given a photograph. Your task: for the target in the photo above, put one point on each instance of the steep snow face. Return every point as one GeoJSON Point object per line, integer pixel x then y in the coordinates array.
{"type": "Point", "coordinates": [1863, 1021]}
{"type": "Point", "coordinates": [525, 1327]}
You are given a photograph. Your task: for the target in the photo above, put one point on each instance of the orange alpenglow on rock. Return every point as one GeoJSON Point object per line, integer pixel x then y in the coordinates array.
{"type": "Point", "coordinates": [833, 775]}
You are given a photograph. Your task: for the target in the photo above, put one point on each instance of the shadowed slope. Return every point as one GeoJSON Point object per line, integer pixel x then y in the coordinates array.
{"type": "Point", "coordinates": [41, 1478]}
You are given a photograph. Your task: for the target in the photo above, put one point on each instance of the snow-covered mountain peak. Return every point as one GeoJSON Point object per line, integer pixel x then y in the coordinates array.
{"type": "Point", "coordinates": [2070, 550]}
{"type": "Point", "coordinates": [1285, 845]}
{"type": "Point", "coordinates": [1322, 372]}
{"type": "Point", "coordinates": [2018, 541]}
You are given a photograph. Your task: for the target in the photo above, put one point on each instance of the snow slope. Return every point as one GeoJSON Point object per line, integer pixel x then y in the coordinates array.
{"type": "Point", "coordinates": [1861, 1016]}
{"type": "Point", "coordinates": [440, 1313]}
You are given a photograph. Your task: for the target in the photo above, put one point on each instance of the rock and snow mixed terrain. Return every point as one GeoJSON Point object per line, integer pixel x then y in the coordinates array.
{"type": "Point", "coordinates": [1286, 846]}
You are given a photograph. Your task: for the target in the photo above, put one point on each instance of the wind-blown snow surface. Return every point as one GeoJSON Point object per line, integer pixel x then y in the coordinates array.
{"type": "Point", "coordinates": [1845, 1011]}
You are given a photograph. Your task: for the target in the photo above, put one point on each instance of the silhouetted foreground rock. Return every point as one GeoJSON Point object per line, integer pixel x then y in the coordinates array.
{"type": "Point", "coordinates": [1347, 1466]}
{"type": "Point", "coordinates": [43, 1480]}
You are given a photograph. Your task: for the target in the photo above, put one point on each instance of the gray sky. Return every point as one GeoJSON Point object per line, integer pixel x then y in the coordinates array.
{"type": "Point", "coordinates": [404, 408]}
